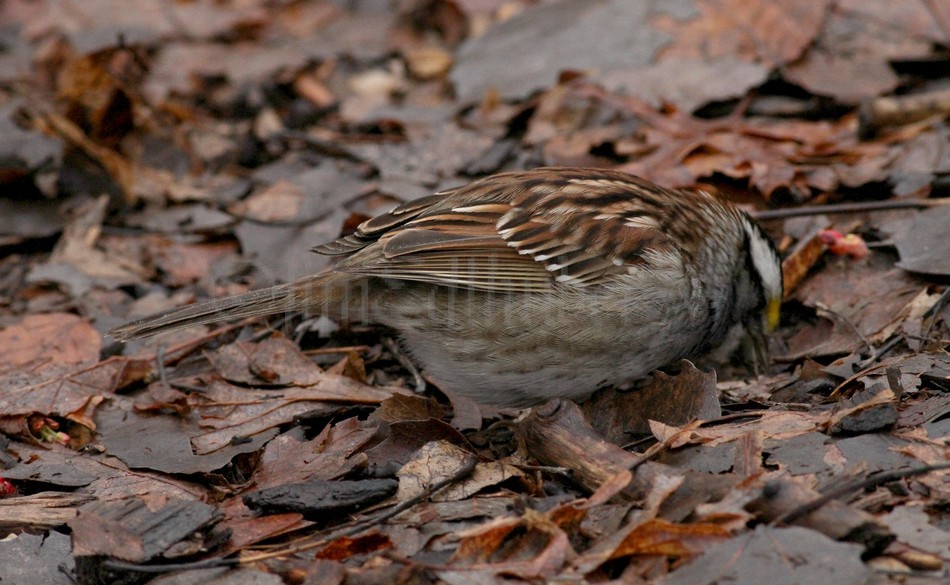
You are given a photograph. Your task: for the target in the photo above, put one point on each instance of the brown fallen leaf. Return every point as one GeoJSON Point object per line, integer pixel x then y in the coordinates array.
{"type": "Point", "coordinates": [70, 392]}
{"type": "Point", "coordinates": [62, 339]}
{"type": "Point", "coordinates": [660, 537]}
{"type": "Point", "coordinates": [346, 547]}
{"type": "Point", "coordinates": [428, 62]}
{"type": "Point", "coordinates": [138, 182]}
{"type": "Point", "coordinates": [329, 455]}
{"type": "Point", "coordinates": [230, 411]}
{"type": "Point", "coordinates": [529, 546]}
{"type": "Point", "coordinates": [759, 31]}
{"type": "Point", "coordinates": [763, 555]}
{"type": "Point", "coordinates": [434, 461]}
{"type": "Point", "coordinates": [274, 361]}
{"type": "Point", "coordinates": [77, 249]}
{"type": "Point", "coordinates": [672, 400]}
{"type": "Point", "coordinates": [94, 92]}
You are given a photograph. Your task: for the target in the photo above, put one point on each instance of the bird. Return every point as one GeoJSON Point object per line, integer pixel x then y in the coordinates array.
{"type": "Point", "coordinates": [529, 285]}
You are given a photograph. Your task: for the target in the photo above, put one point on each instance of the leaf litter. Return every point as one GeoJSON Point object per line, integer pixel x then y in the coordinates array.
{"type": "Point", "coordinates": [186, 150]}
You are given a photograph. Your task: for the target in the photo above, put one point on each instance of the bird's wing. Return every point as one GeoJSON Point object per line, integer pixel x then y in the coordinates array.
{"type": "Point", "coordinates": [521, 232]}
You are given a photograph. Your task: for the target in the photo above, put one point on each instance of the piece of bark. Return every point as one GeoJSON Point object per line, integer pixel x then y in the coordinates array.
{"type": "Point", "coordinates": [136, 531]}
{"type": "Point", "coordinates": [318, 498]}
{"type": "Point", "coordinates": [40, 511]}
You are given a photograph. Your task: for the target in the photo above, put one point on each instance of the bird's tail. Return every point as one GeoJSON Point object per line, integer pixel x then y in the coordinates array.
{"type": "Point", "coordinates": [318, 292]}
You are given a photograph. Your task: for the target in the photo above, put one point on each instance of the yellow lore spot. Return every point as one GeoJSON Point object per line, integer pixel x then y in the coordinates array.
{"type": "Point", "coordinates": [772, 314]}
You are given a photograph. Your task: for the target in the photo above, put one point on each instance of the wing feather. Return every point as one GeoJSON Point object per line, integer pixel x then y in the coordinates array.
{"type": "Point", "coordinates": [527, 231]}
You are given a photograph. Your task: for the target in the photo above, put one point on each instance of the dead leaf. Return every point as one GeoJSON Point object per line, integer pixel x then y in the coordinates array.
{"type": "Point", "coordinates": [405, 438]}
{"type": "Point", "coordinates": [530, 546]}
{"type": "Point", "coordinates": [182, 264]}
{"type": "Point", "coordinates": [659, 537]}
{"type": "Point", "coordinates": [279, 201]}
{"type": "Point", "coordinates": [77, 250]}
{"type": "Point", "coordinates": [762, 556]}
{"type": "Point", "coordinates": [686, 83]}
{"type": "Point", "coordinates": [485, 475]}
{"type": "Point", "coordinates": [248, 531]}
{"type": "Point", "coordinates": [274, 361]}
{"type": "Point", "coordinates": [433, 462]}
{"type": "Point", "coordinates": [913, 526]}
{"type": "Point", "coordinates": [62, 339]}
{"type": "Point", "coordinates": [346, 547]}
{"type": "Point", "coordinates": [64, 391]}
{"type": "Point", "coordinates": [232, 411]}
{"type": "Point", "coordinates": [672, 400]}
{"type": "Point", "coordinates": [849, 289]}
{"type": "Point", "coordinates": [137, 181]}
{"type": "Point", "coordinates": [773, 33]}
{"type": "Point", "coordinates": [49, 556]}
{"type": "Point", "coordinates": [331, 454]}
{"type": "Point", "coordinates": [551, 38]}
{"type": "Point", "coordinates": [772, 424]}
{"type": "Point", "coordinates": [428, 62]}
{"type": "Point", "coordinates": [924, 248]}
{"type": "Point", "coordinates": [875, 413]}
{"type": "Point", "coordinates": [95, 97]}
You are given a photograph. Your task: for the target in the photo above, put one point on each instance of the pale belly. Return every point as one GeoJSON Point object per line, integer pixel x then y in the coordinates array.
{"type": "Point", "coordinates": [524, 349]}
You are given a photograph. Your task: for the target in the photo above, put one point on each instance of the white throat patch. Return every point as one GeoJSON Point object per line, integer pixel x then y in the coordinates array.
{"type": "Point", "coordinates": [765, 260]}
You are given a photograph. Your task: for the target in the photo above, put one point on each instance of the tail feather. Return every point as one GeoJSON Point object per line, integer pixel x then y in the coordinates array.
{"type": "Point", "coordinates": [282, 298]}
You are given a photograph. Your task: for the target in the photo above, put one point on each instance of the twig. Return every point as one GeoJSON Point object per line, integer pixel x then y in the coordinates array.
{"type": "Point", "coordinates": [881, 351]}
{"type": "Point", "coordinates": [663, 445]}
{"type": "Point", "coordinates": [554, 470]}
{"type": "Point", "coordinates": [179, 351]}
{"type": "Point", "coordinates": [855, 207]}
{"type": "Point", "coordinates": [171, 567]}
{"type": "Point", "coordinates": [335, 350]}
{"type": "Point", "coordinates": [875, 480]}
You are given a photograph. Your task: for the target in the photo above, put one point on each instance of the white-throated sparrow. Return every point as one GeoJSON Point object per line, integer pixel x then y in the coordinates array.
{"type": "Point", "coordinates": [529, 285]}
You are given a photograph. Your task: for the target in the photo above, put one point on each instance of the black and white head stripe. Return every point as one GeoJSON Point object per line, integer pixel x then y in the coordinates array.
{"type": "Point", "coordinates": [765, 259]}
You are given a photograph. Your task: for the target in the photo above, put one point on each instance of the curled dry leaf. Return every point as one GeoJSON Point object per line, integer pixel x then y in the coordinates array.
{"type": "Point", "coordinates": [432, 463]}
{"type": "Point", "coordinates": [660, 537]}
{"type": "Point", "coordinates": [532, 545]}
